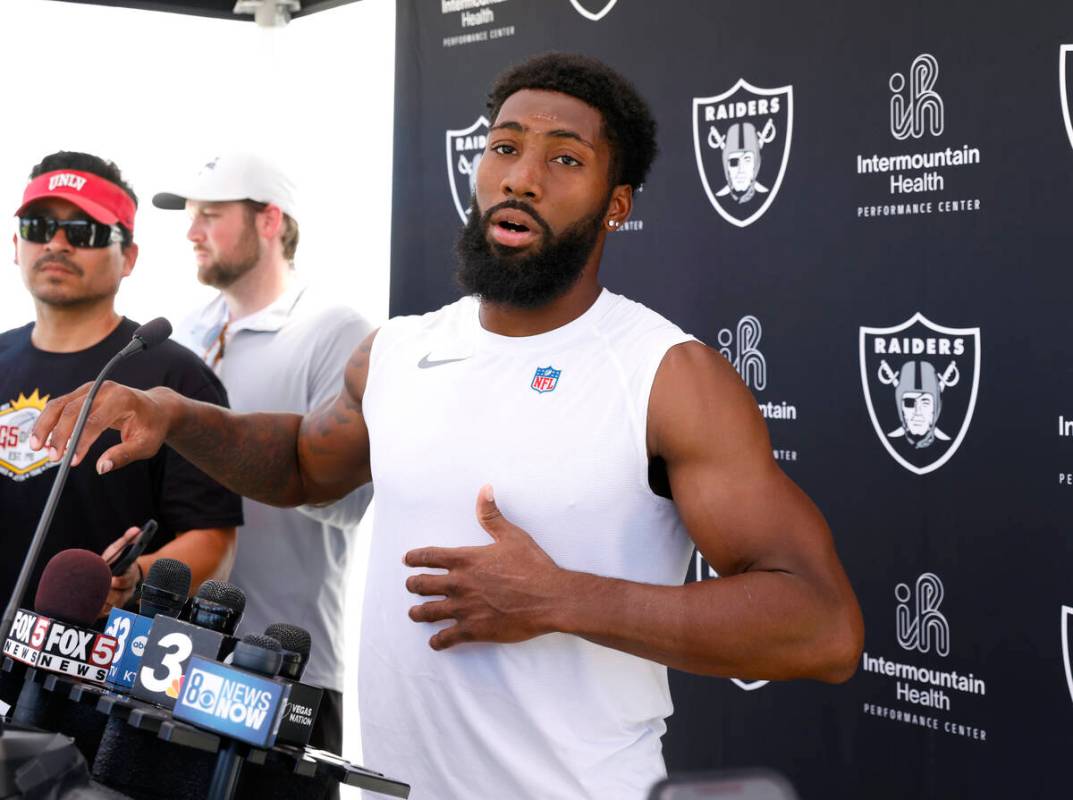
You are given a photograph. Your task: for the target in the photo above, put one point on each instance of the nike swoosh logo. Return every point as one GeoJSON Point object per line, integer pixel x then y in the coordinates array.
{"type": "Point", "coordinates": [424, 363]}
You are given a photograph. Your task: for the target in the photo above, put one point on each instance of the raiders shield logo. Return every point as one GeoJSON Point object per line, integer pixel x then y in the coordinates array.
{"type": "Point", "coordinates": [1066, 621]}
{"type": "Point", "coordinates": [1065, 83]}
{"type": "Point", "coordinates": [464, 151]}
{"type": "Point", "coordinates": [920, 381]}
{"type": "Point", "coordinates": [742, 142]}
{"type": "Point", "coordinates": [594, 9]}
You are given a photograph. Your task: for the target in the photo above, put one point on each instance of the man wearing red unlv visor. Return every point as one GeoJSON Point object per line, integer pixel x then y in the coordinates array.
{"type": "Point", "coordinates": [74, 244]}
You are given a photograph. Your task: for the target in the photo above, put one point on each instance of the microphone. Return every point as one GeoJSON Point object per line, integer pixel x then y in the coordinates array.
{"type": "Point", "coordinates": [149, 334]}
{"type": "Point", "coordinates": [212, 614]}
{"type": "Point", "coordinates": [165, 588]}
{"type": "Point", "coordinates": [241, 702]}
{"type": "Point", "coordinates": [163, 592]}
{"type": "Point", "coordinates": [275, 778]}
{"type": "Point", "coordinates": [296, 643]}
{"type": "Point", "coordinates": [70, 587]}
{"type": "Point", "coordinates": [218, 606]}
{"type": "Point", "coordinates": [304, 701]}
{"type": "Point", "coordinates": [73, 587]}
{"type": "Point", "coordinates": [135, 761]}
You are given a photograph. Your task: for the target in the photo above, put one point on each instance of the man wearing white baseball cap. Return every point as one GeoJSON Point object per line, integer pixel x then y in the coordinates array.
{"type": "Point", "coordinates": [277, 345]}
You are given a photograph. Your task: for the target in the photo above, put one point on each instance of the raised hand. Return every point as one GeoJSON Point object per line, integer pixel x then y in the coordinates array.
{"type": "Point", "coordinates": [142, 419]}
{"type": "Point", "coordinates": [507, 591]}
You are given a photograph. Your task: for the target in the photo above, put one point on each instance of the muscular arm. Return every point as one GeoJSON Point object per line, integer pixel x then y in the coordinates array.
{"type": "Point", "coordinates": [279, 459]}
{"type": "Point", "coordinates": [783, 607]}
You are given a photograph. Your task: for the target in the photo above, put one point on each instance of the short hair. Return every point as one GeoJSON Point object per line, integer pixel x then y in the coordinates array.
{"type": "Point", "coordinates": [628, 122]}
{"type": "Point", "coordinates": [288, 235]}
{"type": "Point", "coordinates": [95, 165]}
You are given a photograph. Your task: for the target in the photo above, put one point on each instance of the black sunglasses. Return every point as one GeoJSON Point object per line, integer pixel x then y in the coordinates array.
{"type": "Point", "coordinates": [79, 232]}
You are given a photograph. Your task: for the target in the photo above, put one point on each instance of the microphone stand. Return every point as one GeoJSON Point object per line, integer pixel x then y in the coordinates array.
{"type": "Point", "coordinates": [136, 345]}
{"type": "Point", "coordinates": [226, 774]}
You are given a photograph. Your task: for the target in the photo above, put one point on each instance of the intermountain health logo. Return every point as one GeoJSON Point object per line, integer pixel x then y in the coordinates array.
{"type": "Point", "coordinates": [465, 148]}
{"type": "Point", "coordinates": [925, 691]}
{"type": "Point", "coordinates": [740, 346]}
{"type": "Point", "coordinates": [1065, 84]}
{"type": "Point", "coordinates": [920, 382]}
{"type": "Point", "coordinates": [17, 420]}
{"type": "Point", "coordinates": [741, 139]}
{"type": "Point", "coordinates": [594, 10]}
{"type": "Point", "coordinates": [919, 623]}
{"type": "Point", "coordinates": [921, 180]}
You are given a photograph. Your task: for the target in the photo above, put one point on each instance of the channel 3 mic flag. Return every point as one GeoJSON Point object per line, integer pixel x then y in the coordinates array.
{"type": "Point", "coordinates": [231, 702]}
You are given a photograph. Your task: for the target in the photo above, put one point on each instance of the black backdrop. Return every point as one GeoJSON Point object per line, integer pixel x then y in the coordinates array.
{"type": "Point", "coordinates": [956, 532]}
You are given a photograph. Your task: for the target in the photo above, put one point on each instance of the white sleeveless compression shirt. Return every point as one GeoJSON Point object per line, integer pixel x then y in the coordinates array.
{"type": "Point", "coordinates": [557, 424]}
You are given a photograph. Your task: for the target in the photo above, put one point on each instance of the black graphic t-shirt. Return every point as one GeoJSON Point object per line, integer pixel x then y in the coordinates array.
{"type": "Point", "coordinates": [94, 510]}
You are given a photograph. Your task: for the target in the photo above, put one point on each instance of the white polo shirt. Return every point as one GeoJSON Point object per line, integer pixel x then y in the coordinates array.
{"type": "Point", "coordinates": [291, 563]}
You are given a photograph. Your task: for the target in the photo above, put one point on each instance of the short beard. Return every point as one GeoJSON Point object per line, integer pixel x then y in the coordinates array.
{"type": "Point", "coordinates": [224, 271]}
{"type": "Point", "coordinates": [500, 276]}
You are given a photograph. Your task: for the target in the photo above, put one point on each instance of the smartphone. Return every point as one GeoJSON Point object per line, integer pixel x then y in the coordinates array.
{"type": "Point", "coordinates": [134, 549]}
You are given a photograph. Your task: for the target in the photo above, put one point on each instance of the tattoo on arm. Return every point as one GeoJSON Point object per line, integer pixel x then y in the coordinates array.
{"type": "Point", "coordinates": [251, 454]}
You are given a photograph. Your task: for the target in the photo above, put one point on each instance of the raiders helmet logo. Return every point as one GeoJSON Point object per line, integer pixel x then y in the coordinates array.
{"type": "Point", "coordinates": [741, 139]}
{"type": "Point", "coordinates": [464, 151]}
{"type": "Point", "coordinates": [920, 382]}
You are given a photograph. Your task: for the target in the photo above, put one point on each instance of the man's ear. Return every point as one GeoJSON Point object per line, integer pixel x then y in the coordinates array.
{"type": "Point", "coordinates": [130, 255]}
{"type": "Point", "coordinates": [269, 222]}
{"type": "Point", "coordinates": [619, 207]}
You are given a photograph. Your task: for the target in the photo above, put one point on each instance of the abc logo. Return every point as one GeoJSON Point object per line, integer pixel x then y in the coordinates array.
{"type": "Point", "coordinates": [138, 645]}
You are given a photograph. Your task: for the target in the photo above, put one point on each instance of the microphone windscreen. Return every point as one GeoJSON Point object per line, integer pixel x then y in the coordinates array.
{"type": "Point", "coordinates": [258, 653]}
{"type": "Point", "coordinates": [226, 594]}
{"type": "Point", "coordinates": [262, 640]}
{"type": "Point", "coordinates": [153, 332]}
{"type": "Point", "coordinates": [169, 574]}
{"type": "Point", "coordinates": [73, 587]}
{"type": "Point", "coordinates": [291, 637]}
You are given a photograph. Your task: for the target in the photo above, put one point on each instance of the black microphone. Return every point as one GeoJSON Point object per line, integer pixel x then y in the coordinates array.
{"type": "Point", "coordinates": [149, 334]}
{"type": "Point", "coordinates": [261, 655]}
{"type": "Point", "coordinates": [296, 643]}
{"type": "Point", "coordinates": [276, 777]}
{"type": "Point", "coordinates": [218, 606]}
{"type": "Point", "coordinates": [135, 761]}
{"type": "Point", "coordinates": [165, 588]}
{"type": "Point", "coordinates": [164, 593]}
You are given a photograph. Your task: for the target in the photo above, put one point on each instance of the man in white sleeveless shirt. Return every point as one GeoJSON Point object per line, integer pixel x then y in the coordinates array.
{"type": "Point", "coordinates": [515, 641]}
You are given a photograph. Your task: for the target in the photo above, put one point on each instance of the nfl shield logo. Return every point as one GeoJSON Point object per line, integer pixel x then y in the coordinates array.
{"type": "Point", "coordinates": [464, 151]}
{"type": "Point", "coordinates": [920, 381]}
{"type": "Point", "coordinates": [741, 139]}
{"type": "Point", "coordinates": [545, 379]}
